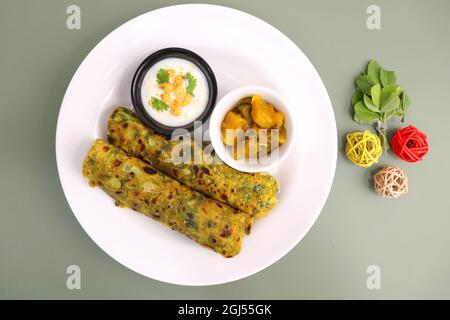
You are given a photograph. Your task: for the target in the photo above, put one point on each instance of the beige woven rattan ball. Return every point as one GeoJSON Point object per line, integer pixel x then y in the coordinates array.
{"type": "Point", "coordinates": [391, 182]}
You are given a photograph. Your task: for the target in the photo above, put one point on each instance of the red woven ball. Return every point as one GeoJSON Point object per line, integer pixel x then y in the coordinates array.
{"type": "Point", "coordinates": [410, 144]}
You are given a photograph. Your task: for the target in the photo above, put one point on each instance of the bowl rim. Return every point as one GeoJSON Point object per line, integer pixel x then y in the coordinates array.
{"type": "Point", "coordinates": [215, 132]}
{"type": "Point", "coordinates": [147, 63]}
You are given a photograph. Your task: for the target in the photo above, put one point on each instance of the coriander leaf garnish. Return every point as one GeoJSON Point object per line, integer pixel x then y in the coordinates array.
{"type": "Point", "coordinates": [162, 76]}
{"type": "Point", "coordinates": [159, 105]}
{"type": "Point", "coordinates": [192, 83]}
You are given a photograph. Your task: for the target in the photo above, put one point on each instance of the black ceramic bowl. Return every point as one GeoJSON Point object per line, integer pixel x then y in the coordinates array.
{"type": "Point", "coordinates": [148, 63]}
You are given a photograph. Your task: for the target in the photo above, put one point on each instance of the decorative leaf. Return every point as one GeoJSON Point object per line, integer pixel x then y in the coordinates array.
{"type": "Point", "coordinates": [357, 96]}
{"type": "Point", "coordinates": [388, 78]}
{"type": "Point", "coordinates": [404, 105]}
{"type": "Point", "coordinates": [406, 102]}
{"type": "Point", "coordinates": [386, 92]}
{"type": "Point", "coordinates": [159, 105]}
{"type": "Point", "coordinates": [375, 92]}
{"type": "Point", "coordinates": [364, 83]}
{"type": "Point", "coordinates": [392, 78]}
{"type": "Point", "coordinates": [162, 76]}
{"type": "Point", "coordinates": [363, 115]}
{"type": "Point", "coordinates": [399, 90]}
{"type": "Point", "coordinates": [370, 105]}
{"type": "Point", "coordinates": [392, 103]}
{"type": "Point", "coordinates": [373, 71]}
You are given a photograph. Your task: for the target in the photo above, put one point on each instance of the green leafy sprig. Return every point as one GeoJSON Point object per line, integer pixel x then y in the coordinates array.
{"type": "Point", "coordinates": [378, 98]}
{"type": "Point", "coordinates": [162, 76]}
{"type": "Point", "coordinates": [192, 83]}
{"type": "Point", "coordinates": [159, 105]}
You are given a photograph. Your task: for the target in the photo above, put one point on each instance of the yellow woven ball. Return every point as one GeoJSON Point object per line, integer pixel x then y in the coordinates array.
{"type": "Point", "coordinates": [363, 148]}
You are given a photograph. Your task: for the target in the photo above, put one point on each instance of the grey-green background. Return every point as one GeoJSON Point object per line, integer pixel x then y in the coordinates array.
{"type": "Point", "coordinates": [408, 238]}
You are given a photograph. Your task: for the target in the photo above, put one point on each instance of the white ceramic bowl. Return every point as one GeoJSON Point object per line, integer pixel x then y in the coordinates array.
{"type": "Point", "coordinates": [227, 103]}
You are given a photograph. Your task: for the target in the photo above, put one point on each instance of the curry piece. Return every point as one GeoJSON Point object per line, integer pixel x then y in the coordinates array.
{"type": "Point", "coordinates": [253, 114]}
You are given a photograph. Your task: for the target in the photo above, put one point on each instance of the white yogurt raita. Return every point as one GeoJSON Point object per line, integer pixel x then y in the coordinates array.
{"type": "Point", "coordinates": [150, 88]}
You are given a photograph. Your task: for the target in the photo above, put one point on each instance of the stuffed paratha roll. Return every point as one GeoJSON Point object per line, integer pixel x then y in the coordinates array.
{"type": "Point", "coordinates": [135, 184]}
{"type": "Point", "coordinates": [253, 193]}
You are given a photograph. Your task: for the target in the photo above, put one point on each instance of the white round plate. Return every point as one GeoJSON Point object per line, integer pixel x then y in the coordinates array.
{"type": "Point", "coordinates": [242, 50]}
